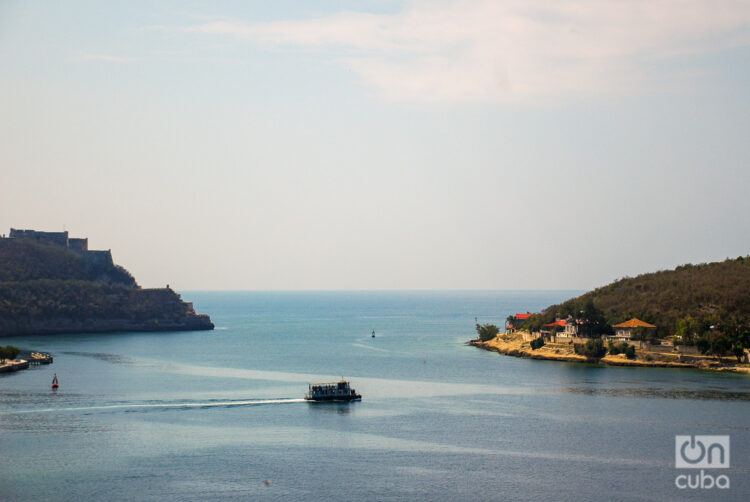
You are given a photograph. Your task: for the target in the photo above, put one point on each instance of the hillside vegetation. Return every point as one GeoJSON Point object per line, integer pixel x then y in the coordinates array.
{"type": "Point", "coordinates": [717, 291]}
{"type": "Point", "coordinates": [705, 306]}
{"type": "Point", "coordinates": [27, 260]}
{"type": "Point", "coordinates": [82, 300]}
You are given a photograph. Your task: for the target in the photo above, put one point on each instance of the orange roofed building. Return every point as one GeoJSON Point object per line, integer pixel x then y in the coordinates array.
{"type": "Point", "coordinates": [624, 330]}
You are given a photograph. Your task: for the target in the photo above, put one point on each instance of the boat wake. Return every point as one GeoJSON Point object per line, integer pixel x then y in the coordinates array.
{"type": "Point", "coordinates": [162, 405]}
{"type": "Point", "coordinates": [369, 347]}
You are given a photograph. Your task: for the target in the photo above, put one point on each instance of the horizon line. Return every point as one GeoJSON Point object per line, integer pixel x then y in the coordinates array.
{"type": "Point", "coordinates": [232, 290]}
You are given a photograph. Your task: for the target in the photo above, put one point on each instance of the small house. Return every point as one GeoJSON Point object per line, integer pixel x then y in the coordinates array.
{"type": "Point", "coordinates": [569, 327]}
{"type": "Point", "coordinates": [624, 330]}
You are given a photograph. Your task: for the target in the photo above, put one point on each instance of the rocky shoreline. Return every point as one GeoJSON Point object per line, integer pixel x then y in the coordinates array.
{"type": "Point", "coordinates": [195, 322]}
{"type": "Point", "coordinates": [514, 345]}
{"type": "Point", "coordinates": [9, 366]}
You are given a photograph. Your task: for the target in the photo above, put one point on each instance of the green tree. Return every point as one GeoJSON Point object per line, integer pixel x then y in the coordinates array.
{"type": "Point", "coordinates": [644, 334]}
{"type": "Point", "coordinates": [687, 330]}
{"type": "Point", "coordinates": [8, 352]}
{"type": "Point", "coordinates": [715, 343]}
{"type": "Point", "coordinates": [537, 321]}
{"type": "Point", "coordinates": [621, 348]}
{"type": "Point", "coordinates": [487, 331]}
{"type": "Point", "coordinates": [591, 320]}
{"type": "Point", "coordinates": [737, 327]}
{"type": "Point", "coordinates": [739, 352]}
{"type": "Point", "coordinates": [724, 334]}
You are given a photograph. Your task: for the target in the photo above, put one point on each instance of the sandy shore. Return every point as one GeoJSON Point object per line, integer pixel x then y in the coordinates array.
{"type": "Point", "coordinates": [513, 345]}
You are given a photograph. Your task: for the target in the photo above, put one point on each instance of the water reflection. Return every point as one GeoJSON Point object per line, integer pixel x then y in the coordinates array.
{"type": "Point", "coordinates": [660, 393]}
{"type": "Point", "coordinates": [331, 408]}
{"type": "Point", "coordinates": [101, 356]}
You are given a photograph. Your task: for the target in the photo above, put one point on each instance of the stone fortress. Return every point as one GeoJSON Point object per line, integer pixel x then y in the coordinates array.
{"type": "Point", "coordinates": [79, 246]}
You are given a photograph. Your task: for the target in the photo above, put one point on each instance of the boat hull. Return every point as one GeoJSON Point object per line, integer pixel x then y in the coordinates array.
{"type": "Point", "coordinates": [333, 399]}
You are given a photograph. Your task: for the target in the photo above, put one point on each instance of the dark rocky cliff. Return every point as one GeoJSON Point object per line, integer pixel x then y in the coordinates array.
{"type": "Point", "coordinates": [46, 289]}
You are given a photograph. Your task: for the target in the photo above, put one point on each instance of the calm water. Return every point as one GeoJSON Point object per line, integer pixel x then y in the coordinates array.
{"type": "Point", "coordinates": [212, 415]}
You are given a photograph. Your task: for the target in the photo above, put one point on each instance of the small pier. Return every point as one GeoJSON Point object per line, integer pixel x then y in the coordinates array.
{"type": "Point", "coordinates": [25, 359]}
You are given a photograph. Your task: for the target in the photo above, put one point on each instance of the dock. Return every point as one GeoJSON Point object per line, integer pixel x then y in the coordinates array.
{"type": "Point", "coordinates": [27, 358]}
{"type": "Point", "coordinates": [40, 358]}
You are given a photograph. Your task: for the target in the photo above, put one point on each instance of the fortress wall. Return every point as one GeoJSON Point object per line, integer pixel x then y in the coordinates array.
{"type": "Point", "coordinates": [77, 244]}
{"type": "Point", "coordinates": [57, 238]}
{"type": "Point", "coordinates": [98, 256]}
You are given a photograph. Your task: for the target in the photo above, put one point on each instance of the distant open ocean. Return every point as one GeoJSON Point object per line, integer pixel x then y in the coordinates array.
{"type": "Point", "coordinates": [218, 415]}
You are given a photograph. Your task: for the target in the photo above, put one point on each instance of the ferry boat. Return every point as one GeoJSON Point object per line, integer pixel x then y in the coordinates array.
{"type": "Point", "coordinates": [332, 391]}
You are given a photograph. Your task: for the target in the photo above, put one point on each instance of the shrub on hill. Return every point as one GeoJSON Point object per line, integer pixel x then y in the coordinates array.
{"type": "Point", "coordinates": [592, 348]}
{"type": "Point", "coordinates": [621, 348]}
{"type": "Point", "coordinates": [537, 343]}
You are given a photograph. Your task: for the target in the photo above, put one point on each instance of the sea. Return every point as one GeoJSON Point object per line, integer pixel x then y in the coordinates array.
{"type": "Point", "coordinates": [219, 415]}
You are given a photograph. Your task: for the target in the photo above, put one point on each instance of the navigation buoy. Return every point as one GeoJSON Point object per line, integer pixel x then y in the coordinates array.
{"type": "Point", "coordinates": [373, 333]}
{"type": "Point", "coordinates": [55, 383]}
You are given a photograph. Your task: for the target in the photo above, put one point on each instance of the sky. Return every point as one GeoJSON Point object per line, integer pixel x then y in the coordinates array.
{"type": "Point", "coordinates": [380, 144]}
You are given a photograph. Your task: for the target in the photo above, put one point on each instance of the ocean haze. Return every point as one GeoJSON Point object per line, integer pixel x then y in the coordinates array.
{"type": "Point", "coordinates": [291, 146]}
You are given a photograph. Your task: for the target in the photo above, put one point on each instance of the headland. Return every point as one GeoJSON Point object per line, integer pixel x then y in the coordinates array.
{"type": "Point", "coordinates": [51, 283]}
{"type": "Point", "coordinates": [695, 316]}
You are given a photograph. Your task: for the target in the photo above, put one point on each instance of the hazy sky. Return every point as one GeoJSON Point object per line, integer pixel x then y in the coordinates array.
{"type": "Point", "coordinates": [380, 144]}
